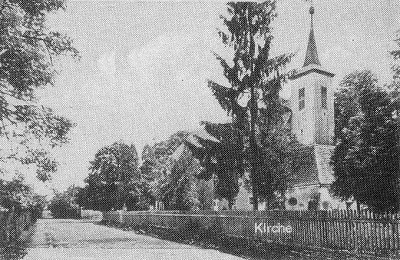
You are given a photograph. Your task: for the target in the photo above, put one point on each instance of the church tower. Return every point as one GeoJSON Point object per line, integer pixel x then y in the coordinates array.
{"type": "Point", "coordinates": [312, 98]}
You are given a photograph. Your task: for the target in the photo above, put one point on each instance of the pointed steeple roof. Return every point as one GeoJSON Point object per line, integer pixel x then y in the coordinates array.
{"type": "Point", "coordinates": [311, 62]}
{"type": "Point", "coordinates": [312, 53]}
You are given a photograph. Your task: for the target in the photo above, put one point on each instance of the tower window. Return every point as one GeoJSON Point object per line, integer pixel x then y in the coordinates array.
{"type": "Point", "coordinates": [324, 97]}
{"type": "Point", "coordinates": [302, 95]}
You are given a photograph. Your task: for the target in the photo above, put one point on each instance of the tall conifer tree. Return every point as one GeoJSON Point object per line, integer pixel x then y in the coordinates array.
{"type": "Point", "coordinates": [254, 73]}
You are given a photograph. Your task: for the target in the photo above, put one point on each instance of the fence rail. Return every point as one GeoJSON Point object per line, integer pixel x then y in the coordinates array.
{"type": "Point", "coordinates": [363, 232]}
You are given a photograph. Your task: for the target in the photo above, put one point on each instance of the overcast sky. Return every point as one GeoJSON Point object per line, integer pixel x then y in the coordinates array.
{"type": "Point", "coordinates": [144, 67]}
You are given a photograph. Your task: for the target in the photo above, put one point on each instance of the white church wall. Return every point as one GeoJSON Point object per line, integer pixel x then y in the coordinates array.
{"type": "Point", "coordinates": [328, 202]}
{"type": "Point", "coordinates": [302, 124]}
{"type": "Point", "coordinates": [313, 124]}
{"type": "Point", "coordinates": [324, 117]}
{"type": "Point", "coordinates": [302, 195]}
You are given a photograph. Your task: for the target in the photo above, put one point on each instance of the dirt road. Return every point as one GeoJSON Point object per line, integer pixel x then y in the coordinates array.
{"type": "Point", "coordinates": [78, 239]}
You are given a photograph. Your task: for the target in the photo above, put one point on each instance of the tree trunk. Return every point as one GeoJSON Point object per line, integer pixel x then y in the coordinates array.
{"type": "Point", "coordinates": [253, 116]}
{"type": "Point", "coordinates": [230, 203]}
{"type": "Point", "coordinates": [253, 149]}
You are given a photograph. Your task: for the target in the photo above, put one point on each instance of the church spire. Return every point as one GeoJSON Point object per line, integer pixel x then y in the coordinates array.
{"type": "Point", "coordinates": [311, 54]}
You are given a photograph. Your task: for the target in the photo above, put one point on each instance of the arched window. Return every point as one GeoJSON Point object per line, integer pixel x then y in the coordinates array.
{"type": "Point", "coordinates": [292, 201]}
{"type": "Point", "coordinates": [325, 205]}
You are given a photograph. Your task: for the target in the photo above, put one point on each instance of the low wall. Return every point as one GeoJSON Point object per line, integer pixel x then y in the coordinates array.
{"type": "Point", "coordinates": [91, 214]}
{"type": "Point", "coordinates": [344, 230]}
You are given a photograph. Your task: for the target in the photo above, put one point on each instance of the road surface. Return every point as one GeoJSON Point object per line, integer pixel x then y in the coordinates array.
{"type": "Point", "coordinates": [78, 239]}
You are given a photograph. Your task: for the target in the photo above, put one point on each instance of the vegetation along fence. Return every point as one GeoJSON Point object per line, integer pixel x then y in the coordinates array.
{"type": "Point", "coordinates": [363, 232]}
{"type": "Point", "coordinates": [12, 224]}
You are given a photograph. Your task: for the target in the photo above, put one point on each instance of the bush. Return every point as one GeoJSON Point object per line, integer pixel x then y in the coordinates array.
{"type": "Point", "coordinates": [63, 209]}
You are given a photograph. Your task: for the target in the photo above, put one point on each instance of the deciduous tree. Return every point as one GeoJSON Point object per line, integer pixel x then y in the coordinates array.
{"type": "Point", "coordinates": [179, 191]}
{"type": "Point", "coordinates": [114, 180]}
{"type": "Point", "coordinates": [63, 204]}
{"type": "Point", "coordinates": [28, 50]}
{"type": "Point", "coordinates": [366, 158]}
{"type": "Point", "coordinates": [17, 195]}
{"type": "Point", "coordinates": [221, 161]}
{"type": "Point", "coordinates": [157, 163]}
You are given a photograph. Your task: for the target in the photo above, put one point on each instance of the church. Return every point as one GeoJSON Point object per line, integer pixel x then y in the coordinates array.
{"type": "Point", "coordinates": [312, 122]}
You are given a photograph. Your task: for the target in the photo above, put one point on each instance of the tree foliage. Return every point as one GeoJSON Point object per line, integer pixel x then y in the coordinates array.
{"type": "Point", "coordinates": [395, 86]}
{"type": "Point", "coordinates": [221, 161]}
{"type": "Point", "coordinates": [115, 163]}
{"type": "Point", "coordinates": [63, 205]}
{"type": "Point", "coordinates": [15, 195]}
{"type": "Point", "coordinates": [396, 56]}
{"type": "Point", "coordinates": [254, 73]}
{"type": "Point", "coordinates": [276, 160]}
{"type": "Point", "coordinates": [157, 163]}
{"type": "Point", "coordinates": [366, 158]}
{"type": "Point", "coordinates": [179, 191]}
{"type": "Point", "coordinates": [172, 173]}
{"type": "Point", "coordinates": [114, 180]}
{"type": "Point", "coordinates": [27, 56]}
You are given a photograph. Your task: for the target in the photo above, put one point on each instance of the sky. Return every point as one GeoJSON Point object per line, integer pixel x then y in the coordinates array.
{"type": "Point", "coordinates": [144, 65]}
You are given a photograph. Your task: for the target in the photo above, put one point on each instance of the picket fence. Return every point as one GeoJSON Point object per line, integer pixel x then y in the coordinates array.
{"type": "Point", "coordinates": [361, 232]}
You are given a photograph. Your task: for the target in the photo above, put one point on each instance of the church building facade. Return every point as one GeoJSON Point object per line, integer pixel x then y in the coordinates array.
{"type": "Point", "coordinates": [313, 124]}
{"type": "Point", "coordinates": [312, 106]}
